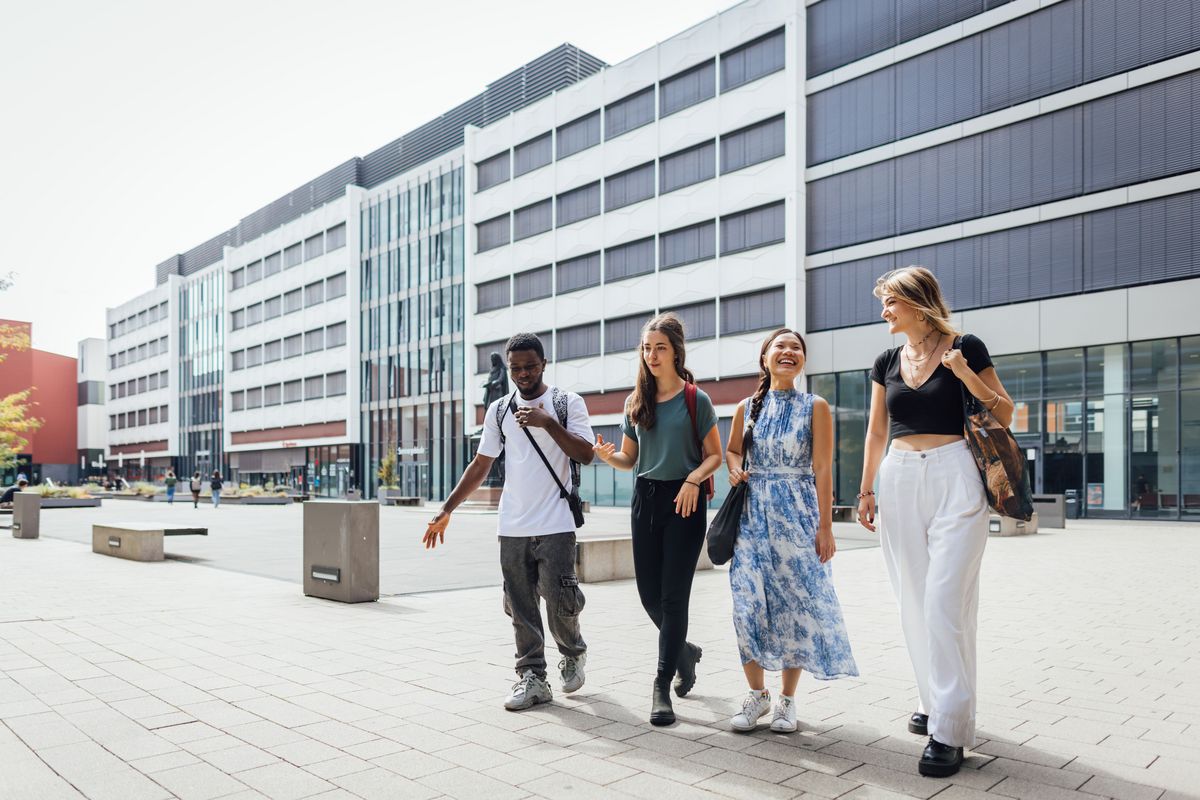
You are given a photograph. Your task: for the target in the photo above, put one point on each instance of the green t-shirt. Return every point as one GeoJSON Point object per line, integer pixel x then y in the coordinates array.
{"type": "Point", "coordinates": [669, 451]}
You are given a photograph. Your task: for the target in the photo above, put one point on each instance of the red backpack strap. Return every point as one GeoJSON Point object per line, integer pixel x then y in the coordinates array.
{"type": "Point", "coordinates": [708, 488]}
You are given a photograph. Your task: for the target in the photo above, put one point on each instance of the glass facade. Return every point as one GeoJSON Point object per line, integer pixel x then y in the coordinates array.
{"type": "Point", "coordinates": [1117, 426]}
{"type": "Point", "coordinates": [413, 309]}
{"type": "Point", "coordinates": [201, 374]}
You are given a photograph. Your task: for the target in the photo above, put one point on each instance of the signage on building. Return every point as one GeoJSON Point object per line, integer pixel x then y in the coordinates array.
{"type": "Point", "coordinates": [410, 451]}
{"type": "Point", "coordinates": [287, 444]}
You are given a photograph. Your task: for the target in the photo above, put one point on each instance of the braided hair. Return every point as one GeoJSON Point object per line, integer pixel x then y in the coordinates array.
{"type": "Point", "coordinates": [764, 374]}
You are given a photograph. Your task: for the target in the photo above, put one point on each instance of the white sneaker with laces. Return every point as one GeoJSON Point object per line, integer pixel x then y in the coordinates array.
{"type": "Point", "coordinates": [754, 707]}
{"type": "Point", "coordinates": [528, 692]}
{"type": "Point", "coordinates": [784, 720]}
{"type": "Point", "coordinates": [571, 670]}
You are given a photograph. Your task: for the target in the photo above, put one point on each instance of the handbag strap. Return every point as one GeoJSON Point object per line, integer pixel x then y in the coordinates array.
{"type": "Point", "coordinates": [562, 490]}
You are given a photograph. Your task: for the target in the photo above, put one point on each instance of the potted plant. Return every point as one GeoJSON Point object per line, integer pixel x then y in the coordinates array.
{"type": "Point", "coordinates": [387, 479]}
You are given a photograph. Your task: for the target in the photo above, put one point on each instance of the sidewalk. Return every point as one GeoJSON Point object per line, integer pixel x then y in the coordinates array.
{"type": "Point", "coordinates": [127, 680]}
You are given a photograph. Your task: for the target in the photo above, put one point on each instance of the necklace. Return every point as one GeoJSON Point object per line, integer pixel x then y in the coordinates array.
{"type": "Point", "coordinates": [913, 348]}
{"type": "Point", "coordinates": [917, 365]}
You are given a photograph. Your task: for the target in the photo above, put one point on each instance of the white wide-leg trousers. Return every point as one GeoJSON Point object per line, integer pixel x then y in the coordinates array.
{"type": "Point", "coordinates": [933, 519]}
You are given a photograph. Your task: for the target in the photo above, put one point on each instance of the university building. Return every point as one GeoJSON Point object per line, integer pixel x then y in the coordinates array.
{"type": "Point", "coordinates": [760, 168]}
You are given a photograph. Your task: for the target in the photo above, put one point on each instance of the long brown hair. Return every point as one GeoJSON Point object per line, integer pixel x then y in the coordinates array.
{"type": "Point", "coordinates": [918, 287]}
{"type": "Point", "coordinates": [764, 374]}
{"type": "Point", "coordinates": [643, 403]}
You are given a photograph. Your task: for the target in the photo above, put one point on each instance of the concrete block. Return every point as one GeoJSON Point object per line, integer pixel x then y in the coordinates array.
{"type": "Point", "coordinates": [135, 544]}
{"type": "Point", "coordinates": [1051, 510]}
{"type": "Point", "coordinates": [341, 550]}
{"type": "Point", "coordinates": [610, 558]}
{"type": "Point", "coordinates": [27, 514]}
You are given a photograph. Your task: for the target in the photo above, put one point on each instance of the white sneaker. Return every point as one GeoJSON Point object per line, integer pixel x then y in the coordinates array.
{"type": "Point", "coordinates": [754, 707]}
{"type": "Point", "coordinates": [571, 670]}
{"type": "Point", "coordinates": [528, 691]}
{"type": "Point", "coordinates": [784, 720]}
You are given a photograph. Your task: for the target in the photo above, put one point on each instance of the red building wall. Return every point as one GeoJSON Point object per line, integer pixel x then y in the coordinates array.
{"type": "Point", "coordinates": [53, 380]}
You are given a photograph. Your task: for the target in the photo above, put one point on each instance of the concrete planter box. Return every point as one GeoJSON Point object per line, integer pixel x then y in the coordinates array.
{"type": "Point", "coordinates": [610, 558]}
{"type": "Point", "coordinates": [1006, 526]}
{"type": "Point", "coordinates": [259, 501]}
{"type": "Point", "coordinates": [70, 502]}
{"type": "Point", "coordinates": [341, 550]}
{"type": "Point", "coordinates": [138, 497]}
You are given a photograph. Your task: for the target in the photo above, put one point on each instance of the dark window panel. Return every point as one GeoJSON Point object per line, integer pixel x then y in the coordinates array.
{"type": "Point", "coordinates": [686, 167]}
{"type": "Point", "coordinates": [628, 187]}
{"type": "Point", "coordinates": [581, 341]}
{"type": "Point", "coordinates": [686, 245]}
{"type": "Point", "coordinates": [531, 155]}
{"type": "Point", "coordinates": [699, 319]}
{"type": "Point", "coordinates": [493, 294]}
{"type": "Point", "coordinates": [629, 112]}
{"type": "Point", "coordinates": [624, 334]}
{"type": "Point", "coordinates": [578, 273]}
{"type": "Point", "coordinates": [492, 171]}
{"type": "Point", "coordinates": [578, 204]}
{"type": "Point", "coordinates": [752, 60]}
{"type": "Point", "coordinates": [756, 227]}
{"type": "Point", "coordinates": [578, 134]}
{"type": "Point", "coordinates": [533, 219]}
{"type": "Point", "coordinates": [493, 233]}
{"type": "Point", "coordinates": [629, 259]}
{"type": "Point", "coordinates": [753, 144]}
{"type": "Point", "coordinates": [752, 312]}
{"type": "Point", "coordinates": [533, 284]}
{"type": "Point", "coordinates": [692, 86]}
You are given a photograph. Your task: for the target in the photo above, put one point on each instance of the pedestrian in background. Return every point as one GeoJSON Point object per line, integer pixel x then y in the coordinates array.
{"type": "Point", "coordinates": [215, 485]}
{"type": "Point", "coordinates": [785, 610]}
{"type": "Point", "coordinates": [170, 480]}
{"type": "Point", "coordinates": [196, 485]}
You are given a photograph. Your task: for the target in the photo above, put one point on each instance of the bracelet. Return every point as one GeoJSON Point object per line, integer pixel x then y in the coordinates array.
{"type": "Point", "coordinates": [994, 402]}
{"type": "Point", "coordinates": [685, 480]}
{"type": "Point", "coordinates": [867, 493]}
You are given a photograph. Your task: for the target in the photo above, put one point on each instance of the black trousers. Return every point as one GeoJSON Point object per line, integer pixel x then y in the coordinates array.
{"type": "Point", "coordinates": [666, 548]}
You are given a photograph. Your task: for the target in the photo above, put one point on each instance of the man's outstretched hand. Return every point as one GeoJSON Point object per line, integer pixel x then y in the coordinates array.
{"type": "Point", "coordinates": [436, 532]}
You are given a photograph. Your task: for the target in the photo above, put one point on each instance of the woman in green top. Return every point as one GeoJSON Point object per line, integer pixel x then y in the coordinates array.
{"type": "Point", "coordinates": [675, 449]}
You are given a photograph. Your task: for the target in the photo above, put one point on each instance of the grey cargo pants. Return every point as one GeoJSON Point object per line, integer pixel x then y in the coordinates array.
{"type": "Point", "coordinates": [541, 567]}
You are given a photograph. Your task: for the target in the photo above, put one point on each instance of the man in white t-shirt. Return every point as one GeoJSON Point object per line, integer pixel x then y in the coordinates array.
{"type": "Point", "coordinates": [536, 526]}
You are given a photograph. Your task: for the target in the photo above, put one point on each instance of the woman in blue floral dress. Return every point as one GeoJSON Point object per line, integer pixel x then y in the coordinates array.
{"type": "Point", "coordinates": [785, 610]}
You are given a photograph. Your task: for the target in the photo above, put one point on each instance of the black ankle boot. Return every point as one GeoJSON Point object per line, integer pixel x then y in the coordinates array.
{"type": "Point", "coordinates": [661, 712]}
{"type": "Point", "coordinates": [685, 677]}
{"type": "Point", "coordinates": [918, 723]}
{"type": "Point", "coordinates": [939, 760]}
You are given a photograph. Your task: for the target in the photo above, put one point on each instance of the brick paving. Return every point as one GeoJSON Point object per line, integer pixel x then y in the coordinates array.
{"type": "Point", "coordinates": [128, 680]}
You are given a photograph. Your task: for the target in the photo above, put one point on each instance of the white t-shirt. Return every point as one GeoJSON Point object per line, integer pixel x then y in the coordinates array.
{"type": "Point", "coordinates": [530, 504]}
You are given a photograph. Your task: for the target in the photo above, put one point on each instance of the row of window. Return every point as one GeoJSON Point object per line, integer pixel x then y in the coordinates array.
{"type": "Point", "coordinates": [753, 144]}
{"type": "Point", "coordinates": [755, 311]}
{"type": "Point", "coordinates": [1142, 134]}
{"type": "Point", "coordinates": [744, 230]}
{"type": "Point", "coordinates": [133, 355]}
{"type": "Point", "coordinates": [316, 245]}
{"type": "Point", "coordinates": [1066, 45]}
{"type": "Point", "coordinates": [409, 322]}
{"type": "Point", "coordinates": [312, 341]}
{"type": "Point", "coordinates": [332, 384]}
{"type": "Point", "coordinates": [739, 66]}
{"type": "Point", "coordinates": [311, 295]}
{"type": "Point", "coordinates": [1147, 242]}
{"type": "Point", "coordinates": [426, 204]}
{"type": "Point", "coordinates": [146, 383]}
{"type": "Point", "coordinates": [414, 264]}
{"type": "Point", "coordinates": [843, 31]}
{"type": "Point", "coordinates": [136, 419]}
{"type": "Point", "coordinates": [139, 320]}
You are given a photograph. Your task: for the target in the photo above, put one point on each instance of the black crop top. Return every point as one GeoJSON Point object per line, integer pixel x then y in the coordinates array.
{"type": "Point", "coordinates": [935, 407]}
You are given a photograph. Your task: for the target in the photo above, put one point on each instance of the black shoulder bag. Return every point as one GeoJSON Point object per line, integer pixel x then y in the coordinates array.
{"type": "Point", "coordinates": [723, 531]}
{"type": "Point", "coordinates": [574, 501]}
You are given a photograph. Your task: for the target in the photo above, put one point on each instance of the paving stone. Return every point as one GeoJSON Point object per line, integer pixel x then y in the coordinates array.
{"type": "Point", "coordinates": [464, 784]}
{"type": "Point", "coordinates": [377, 783]}
{"type": "Point", "coordinates": [283, 781]}
{"type": "Point", "coordinates": [1119, 789]}
{"type": "Point", "coordinates": [198, 782]}
{"type": "Point", "coordinates": [238, 758]}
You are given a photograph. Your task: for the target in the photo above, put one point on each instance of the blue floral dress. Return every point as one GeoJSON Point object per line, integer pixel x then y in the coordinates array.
{"type": "Point", "coordinates": [785, 610]}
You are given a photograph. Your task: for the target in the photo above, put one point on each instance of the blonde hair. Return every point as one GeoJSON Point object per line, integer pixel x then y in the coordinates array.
{"type": "Point", "coordinates": [918, 287]}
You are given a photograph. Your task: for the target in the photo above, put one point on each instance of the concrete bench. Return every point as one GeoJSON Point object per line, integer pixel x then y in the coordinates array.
{"type": "Point", "coordinates": [610, 558]}
{"type": "Point", "coordinates": [403, 500]}
{"type": "Point", "coordinates": [137, 541]}
{"type": "Point", "coordinates": [1007, 526]}
{"type": "Point", "coordinates": [845, 513]}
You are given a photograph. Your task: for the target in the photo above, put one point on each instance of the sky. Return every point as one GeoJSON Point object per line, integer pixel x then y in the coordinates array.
{"type": "Point", "coordinates": [133, 130]}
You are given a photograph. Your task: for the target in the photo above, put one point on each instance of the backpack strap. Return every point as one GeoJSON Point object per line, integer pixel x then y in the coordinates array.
{"type": "Point", "coordinates": [501, 412]}
{"type": "Point", "coordinates": [689, 399]}
{"type": "Point", "coordinates": [559, 400]}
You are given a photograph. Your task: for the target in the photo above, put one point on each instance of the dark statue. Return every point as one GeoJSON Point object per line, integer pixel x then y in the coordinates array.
{"type": "Point", "coordinates": [495, 388]}
{"type": "Point", "coordinates": [496, 385]}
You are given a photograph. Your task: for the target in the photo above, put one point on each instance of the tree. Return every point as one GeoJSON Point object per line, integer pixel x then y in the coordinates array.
{"type": "Point", "coordinates": [387, 471]}
{"type": "Point", "coordinates": [15, 421]}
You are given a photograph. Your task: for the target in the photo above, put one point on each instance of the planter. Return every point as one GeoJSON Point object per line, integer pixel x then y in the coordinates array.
{"type": "Point", "coordinates": [138, 497]}
{"type": "Point", "coordinates": [70, 502]}
{"type": "Point", "coordinates": [261, 501]}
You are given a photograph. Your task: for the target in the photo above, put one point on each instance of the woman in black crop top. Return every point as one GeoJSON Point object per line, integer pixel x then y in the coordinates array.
{"type": "Point", "coordinates": [933, 515]}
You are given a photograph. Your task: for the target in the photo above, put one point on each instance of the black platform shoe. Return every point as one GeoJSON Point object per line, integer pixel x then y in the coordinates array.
{"type": "Point", "coordinates": [661, 712]}
{"type": "Point", "coordinates": [918, 723]}
{"type": "Point", "coordinates": [685, 676]}
{"type": "Point", "coordinates": [939, 760]}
